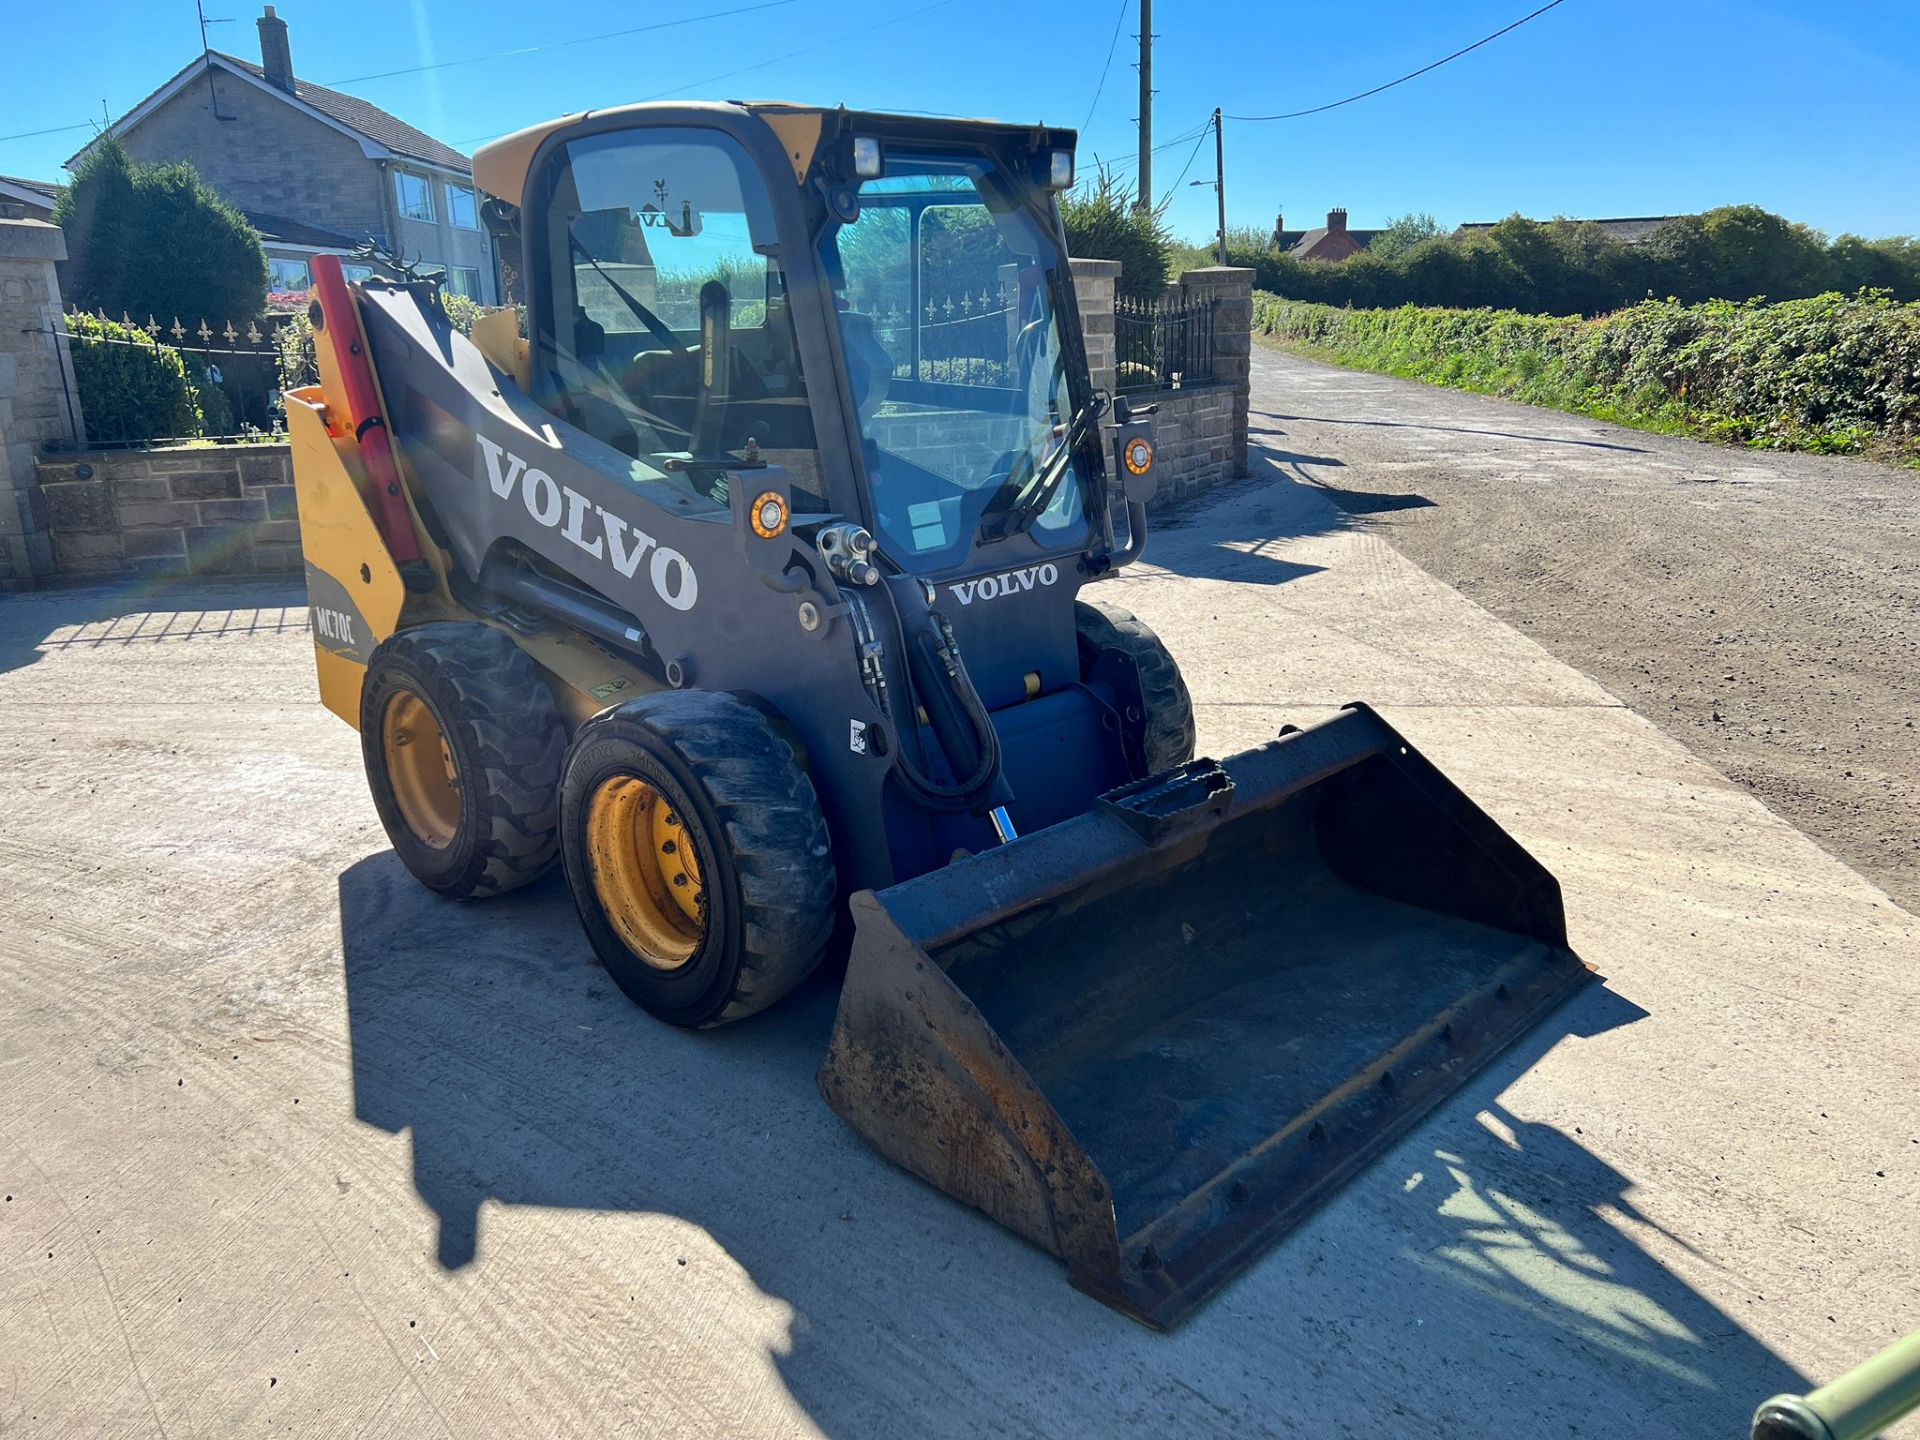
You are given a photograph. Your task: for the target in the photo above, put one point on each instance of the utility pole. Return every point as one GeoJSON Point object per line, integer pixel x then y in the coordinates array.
{"type": "Point", "coordinates": [1145, 201]}
{"type": "Point", "coordinates": [1220, 180]}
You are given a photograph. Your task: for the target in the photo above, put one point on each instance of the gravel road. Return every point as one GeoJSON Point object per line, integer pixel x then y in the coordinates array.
{"type": "Point", "coordinates": [1763, 609]}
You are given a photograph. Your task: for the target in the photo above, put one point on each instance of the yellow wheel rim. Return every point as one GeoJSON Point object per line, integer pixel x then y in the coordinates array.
{"type": "Point", "coordinates": [420, 769]}
{"type": "Point", "coordinates": [645, 872]}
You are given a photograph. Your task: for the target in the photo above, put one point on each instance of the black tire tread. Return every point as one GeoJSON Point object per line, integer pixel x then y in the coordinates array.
{"type": "Point", "coordinates": [511, 731]}
{"type": "Point", "coordinates": [1169, 735]}
{"type": "Point", "coordinates": [774, 830]}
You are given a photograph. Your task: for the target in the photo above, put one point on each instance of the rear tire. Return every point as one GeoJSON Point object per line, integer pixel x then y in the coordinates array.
{"type": "Point", "coordinates": [697, 855]}
{"type": "Point", "coordinates": [1166, 730]}
{"type": "Point", "coordinates": [462, 743]}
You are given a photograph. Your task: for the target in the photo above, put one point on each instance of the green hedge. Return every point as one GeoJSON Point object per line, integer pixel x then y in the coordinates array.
{"type": "Point", "coordinates": [1566, 267]}
{"type": "Point", "coordinates": [131, 387]}
{"type": "Point", "coordinates": [1831, 373]}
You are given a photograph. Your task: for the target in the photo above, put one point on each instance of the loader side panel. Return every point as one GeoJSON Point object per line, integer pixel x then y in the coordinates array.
{"type": "Point", "coordinates": [354, 590]}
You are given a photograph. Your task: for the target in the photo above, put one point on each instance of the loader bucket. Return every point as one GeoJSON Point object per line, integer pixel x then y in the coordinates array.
{"type": "Point", "coordinates": [1153, 1038]}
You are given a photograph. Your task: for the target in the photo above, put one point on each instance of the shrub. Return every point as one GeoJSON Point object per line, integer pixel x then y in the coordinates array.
{"type": "Point", "coordinates": [1572, 267]}
{"type": "Point", "coordinates": [294, 346]}
{"type": "Point", "coordinates": [131, 387]}
{"type": "Point", "coordinates": [1101, 224]}
{"type": "Point", "coordinates": [1829, 372]}
{"type": "Point", "coordinates": [156, 240]}
{"type": "Point", "coordinates": [462, 311]}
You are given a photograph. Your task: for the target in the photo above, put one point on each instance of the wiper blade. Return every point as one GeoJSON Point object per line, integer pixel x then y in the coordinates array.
{"type": "Point", "coordinates": [1036, 494]}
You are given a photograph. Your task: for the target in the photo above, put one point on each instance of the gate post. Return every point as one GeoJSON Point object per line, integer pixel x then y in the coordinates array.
{"type": "Point", "coordinates": [39, 402]}
{"type": "Point", "coordinates": [1230, 290]}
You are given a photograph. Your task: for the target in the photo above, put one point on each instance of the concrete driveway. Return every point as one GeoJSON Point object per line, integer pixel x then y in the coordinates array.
{"type": "Point", "coordinates": [287, 1142]}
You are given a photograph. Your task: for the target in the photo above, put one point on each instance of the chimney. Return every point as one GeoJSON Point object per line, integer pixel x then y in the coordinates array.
{"type": "Point", "coordinates": [1336, 219]}
{"type": "Point", "coordinates": [276, 57]}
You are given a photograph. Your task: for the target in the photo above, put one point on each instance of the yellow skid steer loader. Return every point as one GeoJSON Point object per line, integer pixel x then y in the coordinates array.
{"type": "Point", "coordinates": [748, 587]}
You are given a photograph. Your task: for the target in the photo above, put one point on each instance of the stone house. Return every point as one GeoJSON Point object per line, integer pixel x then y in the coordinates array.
{"type": "Point", "coordinates": [315, 171]}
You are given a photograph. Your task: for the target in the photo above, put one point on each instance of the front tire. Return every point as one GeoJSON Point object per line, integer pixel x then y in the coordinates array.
{"type": "Point", "coordinates": [697, 855]}
{"type": "Point", "coordinates": [1165, 730]}
{"type": "Point", "coordinates": [462, 743]}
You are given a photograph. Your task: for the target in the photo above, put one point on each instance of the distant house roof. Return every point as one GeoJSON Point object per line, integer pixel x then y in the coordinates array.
{"type": "Point", "coordinates": [1303, 243]}
{"type": "Point", "coordinates": [278, 230]}
{"type": "Point", "coordinates": [1627, 229]}
{"type": "Point", "coordinates": [379, 132]}
{"type": "Point", "coordinates": [1332, 241]}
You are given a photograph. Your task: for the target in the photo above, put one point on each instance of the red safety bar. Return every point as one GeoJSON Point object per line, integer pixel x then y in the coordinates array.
{"type": "Point", "coordinates": [336, 324]}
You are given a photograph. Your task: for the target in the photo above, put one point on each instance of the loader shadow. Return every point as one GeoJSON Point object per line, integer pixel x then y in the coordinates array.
{"type": "Point", "coordinates": [137, 613]}
{"type": "Point", "coordinates": [526, 1079]}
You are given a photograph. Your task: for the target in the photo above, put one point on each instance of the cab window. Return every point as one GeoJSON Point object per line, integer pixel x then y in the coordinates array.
{"type": "Point", "coordinates": [668, 334]}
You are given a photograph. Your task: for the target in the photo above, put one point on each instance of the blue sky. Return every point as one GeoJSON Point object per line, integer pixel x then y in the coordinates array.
{"type": "Point", "coordinates": [1599, 107]}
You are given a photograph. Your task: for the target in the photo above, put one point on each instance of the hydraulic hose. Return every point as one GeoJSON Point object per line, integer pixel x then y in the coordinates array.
{"type": "Point", "coordinates": [937, 679]}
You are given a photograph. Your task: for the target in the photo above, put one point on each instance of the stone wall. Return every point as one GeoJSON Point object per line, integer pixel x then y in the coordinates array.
{"type": "Point", "coordinates": [39, 403]}
{"type": "Point", "coordinates": [1193, 446]}
{"type": "Point", "coordinates": [1200, 431]}
{"type": "Point", "coordinates": [205, 510]}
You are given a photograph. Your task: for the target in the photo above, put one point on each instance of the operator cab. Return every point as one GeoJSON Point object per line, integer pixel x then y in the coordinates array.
{"type": "Point", "coordinates": [669, 285]}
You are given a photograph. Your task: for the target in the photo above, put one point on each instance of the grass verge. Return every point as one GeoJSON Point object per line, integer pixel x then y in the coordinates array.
{"type": "Point", "coordinates": [1833, 374]}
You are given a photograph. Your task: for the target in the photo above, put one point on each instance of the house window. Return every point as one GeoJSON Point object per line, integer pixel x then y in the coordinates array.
{"type": "Point", "coordinates": [357, 273]}
{"type": "Point", "coordinates": [288, 274]}
{"type": "Point", "coordinates": [461, 208]}
{"type": "Point", "coordinates": [414, 194]}
{"type": "Point", "coordinates": [464, 280]}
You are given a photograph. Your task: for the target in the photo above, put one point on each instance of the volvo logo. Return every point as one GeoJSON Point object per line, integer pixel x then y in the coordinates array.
{"type": "Point", "coordinates": [1008, 582]}
{"type": "Point", "coordinates": [592, 527]}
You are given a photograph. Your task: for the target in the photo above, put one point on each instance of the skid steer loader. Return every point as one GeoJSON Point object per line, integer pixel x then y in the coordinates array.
{"type": "Point", "coordinates": [747, 586]}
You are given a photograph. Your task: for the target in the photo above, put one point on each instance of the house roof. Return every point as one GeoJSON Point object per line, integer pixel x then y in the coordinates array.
{"type": "Point", "coordinates": [43, 188]}
{"type": "Point", "coordinates": [1627, 229]}
{"type": "Point", "coordinates": [1300, 242]}
{"type": "Point", "coordinates": [366, 117]}
{"type": "Point", "coordinates": [379, 132]}
{"type": "Point", "coordinates": [278, 230]}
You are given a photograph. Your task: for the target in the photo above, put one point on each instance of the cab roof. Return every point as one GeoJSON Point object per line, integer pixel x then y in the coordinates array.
{"type": "Point", "coordinates": [500, 168]}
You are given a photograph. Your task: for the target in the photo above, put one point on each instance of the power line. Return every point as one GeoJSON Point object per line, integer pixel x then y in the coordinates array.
{"type": "Point", "coordinates": [1188, 166]}
{"type": "Point", "coordinates": [563, 44]}
{"type": "Point", "coordinates": [496, 55]}
{"type": "Point", "coordinates": [1120, 166]}
{"type": "Point", "coordinates": [1411, 75]}
{"type": "Point", "coordinates": [55, 130]}
{"type": "Point", "coordinates": [796, 54]}
{"type": "Point", "coordinates": [1112, 45]}
{"type": "Point", "coordinates": [748, 69]}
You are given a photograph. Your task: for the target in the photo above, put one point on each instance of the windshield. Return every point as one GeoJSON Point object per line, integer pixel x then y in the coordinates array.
{"type": "Point", "coordinates": [945, 290]}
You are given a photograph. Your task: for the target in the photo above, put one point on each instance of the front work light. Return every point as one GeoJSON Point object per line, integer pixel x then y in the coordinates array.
{"type": "Point", "coordinates": [866, 157]}
{"type": "Point", "coordinates": [1060, 170]}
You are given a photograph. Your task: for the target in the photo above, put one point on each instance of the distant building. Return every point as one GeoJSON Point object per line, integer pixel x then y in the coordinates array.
{"type": "Point", "coordinates": [34, 197]}
{"type": "Point", "coordinates": [1332, 241]}
{"type": "Point", "coordinates": [1628, 229]}
{"type": "Point", "coordinates": [315, 171]}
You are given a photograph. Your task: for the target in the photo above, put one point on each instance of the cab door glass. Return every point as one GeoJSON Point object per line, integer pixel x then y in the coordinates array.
{"type": "Point", "coordinates": [669, 333]}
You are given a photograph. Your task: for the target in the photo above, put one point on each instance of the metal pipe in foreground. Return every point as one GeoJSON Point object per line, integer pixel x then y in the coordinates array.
{"type": "Point", "coordinates": [1857, 1406]}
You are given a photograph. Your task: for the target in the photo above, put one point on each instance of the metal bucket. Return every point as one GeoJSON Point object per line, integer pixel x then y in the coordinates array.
{"type": "Point", "coordinates": [1152, 1038]}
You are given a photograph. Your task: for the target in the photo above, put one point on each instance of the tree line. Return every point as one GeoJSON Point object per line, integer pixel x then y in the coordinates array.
{"type": "Point", "coordinates": [1574, 267]}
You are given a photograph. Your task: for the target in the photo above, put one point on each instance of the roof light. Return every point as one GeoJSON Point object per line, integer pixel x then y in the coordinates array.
{"type": "Point", "coordinates": [866, 157]}
{"type": "Point", "coordinates": [1060, 170]}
